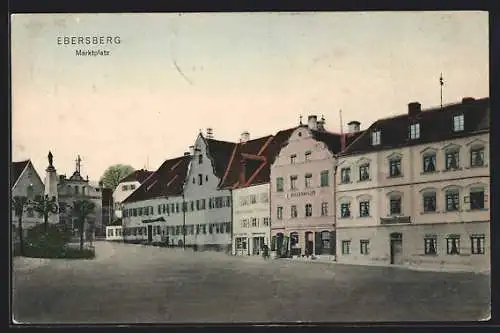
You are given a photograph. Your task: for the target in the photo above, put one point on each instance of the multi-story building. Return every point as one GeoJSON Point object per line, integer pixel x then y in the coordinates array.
{"type": "Point", "coordinates": [247, 176]}
{"type": "Point", "coordinates": [208, 207]}
{"type": "Point", "coordinates": [126, 186]}
{"type": "Point", "coordinates": [154, 213]}
{"type": "Point", "coordinates": [302, 192]}
{"type": "Point", "coordinates": [25, 182]}
{"type": "Point", "coordinates": [413, 189]}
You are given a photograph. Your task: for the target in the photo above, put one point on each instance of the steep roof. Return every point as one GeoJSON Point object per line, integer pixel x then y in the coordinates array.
{"type": "Point", "coordinates": [138, 175]}
{"type": "Point", "coordinates": [436, 124]}
{"type": "Point", "coordinates": [258, 154]}
{"type": "Point", "coordinates": [168, 180]}
{"type": "Point", "coordinates": [17, 169]}
{"type": "Point", "coordinates": [220, 151]}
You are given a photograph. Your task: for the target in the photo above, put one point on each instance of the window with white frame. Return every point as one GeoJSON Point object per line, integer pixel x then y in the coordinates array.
{"type": "Point", "coordinates": [477, 244]}
{"type": "Point", "coordinates": [307, 156]}
{"type": "Point", "coordinates": [395, 167]}
{"type": "Point", "coordinates": [452, 200]}
{"type": "Point", "coordinates": [324, 178]}
{"type": "Point", "coordinates": [293, 211]}
{"type": "Point", "coordinates": [279, 184]}
{"type": "Point", "coordinates": [254, 222]}
{"type": "Point", "coordinates": [266, 221]}
{"type": "Point", "coordinates": [293, 182]}
{"type": "Point", "coordinates": [279, 213]}
{"type": "Point", "coordinates": [415, 131]}
{"type": "Point", "coordinates": [477, 157]}
{"type": "Point", "coordinates": [346, 247]}
{"type": "Point", "coordinates": [453, 245]}
{"type": "Point", "coordinates": [364, 208]}
{"type": "Point", "coordinates": [324, 208]}
{"type": "Point", "coordinates": [430, 244]}
{"type": "Point", "coordinates": [395, 204]}
{"type": "Point", "coordinates": [345, 175]}
{"type": "Point", "coordinates": [308, 180]}
{"type": "Point", "coordinates": [458, 123]}
{"type": "Point", "coordinates": [345, 210]}
{"type": "Point", "coordinates": [364, 172]}
{"type": "Point", "coordinates": [476, 198]}
{"type": "Point", "coordinates": [293, 158]}
{"type": "Point", "coordinates": [429, 200]}
{"type": "Point", "coordinates": [364, 246]}
{"type": "Point", "coordinates": [375, 137]}
{"type": "Point", "coordinates": [308, 210]}
{"type": "Point", "coordinates": [452, 159]}
{"type": "Point", "coordinates": [429, 162]}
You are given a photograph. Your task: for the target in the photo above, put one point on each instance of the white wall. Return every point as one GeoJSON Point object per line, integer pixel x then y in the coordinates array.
{"type": "Point", "coordinates": [28, 177]}
{"type": "Point", "coordinates": [120, 194]}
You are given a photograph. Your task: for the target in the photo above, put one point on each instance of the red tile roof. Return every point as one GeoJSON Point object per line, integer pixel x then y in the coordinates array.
{"type": "Point", "coordinates": [220, 152]}
{"type": "Point", "coordinates": [138, 175]}
{"type": "Point", "coordinates": [167, 181]}
{"type": "Point", "coordinates": [16, 170]}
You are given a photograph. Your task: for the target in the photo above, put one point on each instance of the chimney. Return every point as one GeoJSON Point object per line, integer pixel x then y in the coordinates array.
{"type": "Point", "coordinates": [245, 136]}
{"type": "Point", "coordinates": [312, 122]}
{"type": "Point", "coordinates": [353, 126]}
{"type": "Point", "coordinates": [187, 153]}
{"type": "Point", "coordinates": [210, 133]}
{"type": "Point", "coordinates": [321, 124]}
{"type": "Point", "coordinates": [467, 100]}
{"type": "Point", "coordinates": [414, 108]}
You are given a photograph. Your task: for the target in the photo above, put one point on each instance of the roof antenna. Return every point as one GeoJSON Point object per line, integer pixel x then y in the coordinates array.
{"type": "Point", "coordinates": [441, 83]}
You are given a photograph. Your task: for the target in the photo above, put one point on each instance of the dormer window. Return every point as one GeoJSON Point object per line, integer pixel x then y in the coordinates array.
{"type": "Point", "coordinates": [415, 131]}
{"type": "Point", "coordinates": [458, 123]}
{"type": "Point", "coordinates": [375, 138]}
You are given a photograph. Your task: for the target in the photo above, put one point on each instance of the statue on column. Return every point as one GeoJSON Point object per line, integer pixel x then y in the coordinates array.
{"type": "Point", "coordinates": [50, 158]}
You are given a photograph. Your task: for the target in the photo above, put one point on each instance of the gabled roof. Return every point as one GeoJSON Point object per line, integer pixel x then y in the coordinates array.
{"type": "Point", "coordinates": [138, 175]}
{"type": "Point", "coordinates": [259, 154]}
{"type": "Point", "coordinates": [167, 181]}
{"type": "Point", "coordinates": [220, 151]}
{"type": "Point", "coordinates": [17, 169]}
{"type": "Point", "coordinates": [436, 124]}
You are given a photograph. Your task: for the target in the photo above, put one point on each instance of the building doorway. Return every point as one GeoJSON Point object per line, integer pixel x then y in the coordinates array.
{"type": "Point", "coordinates": [258, 243]}
{"type": "Point", "coordinates": [150, 233]}
{"type": "Point", "coordinates": [279, 244]}
{"type": "Point", "coordinates": [309, 243]}
{"type": "Point", "coordinates": [396, 248]}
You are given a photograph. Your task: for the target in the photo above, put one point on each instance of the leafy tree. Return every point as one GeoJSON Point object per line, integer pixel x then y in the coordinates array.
{"type": "Point", "coordinates": [45, 206]}
{"type": "Point", "coordinates": [19, 204]}
{"type": "Point", "coordinates": [114, 174]}
{"type": "Point", "coordinates": [81, 209]}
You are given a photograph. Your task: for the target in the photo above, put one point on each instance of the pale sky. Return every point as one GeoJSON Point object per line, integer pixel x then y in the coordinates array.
{"type": "Point", "coordinates": [256, 72]}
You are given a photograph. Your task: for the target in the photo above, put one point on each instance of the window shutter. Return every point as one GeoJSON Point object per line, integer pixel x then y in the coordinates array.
{"type": "Point", "coordinates": [333, 242]}
{"type": "Point", "coordinates": [318, 246]}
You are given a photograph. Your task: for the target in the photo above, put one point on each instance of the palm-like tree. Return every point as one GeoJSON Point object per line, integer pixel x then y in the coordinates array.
{"type": "Point", "coordinates": [45, 206]}
{"type": "Point", "coordinates": [19, 203]}
{"type": "Point", "coordinates": [81, 210]}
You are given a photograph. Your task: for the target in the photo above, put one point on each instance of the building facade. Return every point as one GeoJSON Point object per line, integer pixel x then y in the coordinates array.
{"type": "Point", "coordinates": [417, 189]}
{"type": "Point", "coordinates": [302, 193]}
{"type": "Point", "coordinates": [126, 186]}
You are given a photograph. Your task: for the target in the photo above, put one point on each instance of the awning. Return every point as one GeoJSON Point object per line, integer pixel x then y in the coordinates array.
{"type": "Point", "coordinates": [159, 219]}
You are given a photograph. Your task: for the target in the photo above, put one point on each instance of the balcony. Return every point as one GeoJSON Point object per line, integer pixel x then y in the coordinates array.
{"type": "Point", "coordinates": [395, 220]}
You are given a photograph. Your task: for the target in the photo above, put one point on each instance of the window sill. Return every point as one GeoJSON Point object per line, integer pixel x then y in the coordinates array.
{"type": "Point", "coordinates": [344, 183]}
{"type": "Point", "coordinates": [364, 180]}
{"type": "Point", "coordinates": [452, 170]}
{"type": "Point", "coordinates": [452, 211]}
{"type": "Point", "coordinates": [477, 166]}
{"type": "Point", "coordinates": [365, 217]}
{"type": "Point", "coordinates": [429, 172]}
{"type": "Point", "coordinates": [430, 212]}
{"type": "Point", "coordinates": [431, 255]}
{"type": "Point", "coordinates": [395, 176]}
{"type": "Point", "coordinates": [345, 218]}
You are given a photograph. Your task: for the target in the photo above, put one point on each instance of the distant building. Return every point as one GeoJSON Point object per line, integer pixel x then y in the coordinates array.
{"type": "Point", "coordinates": [413, 189]}
{"type": "Point", "coordinates": [107, 208]}
{"type": "Point", "coordinates": [25, 181]}
{"type": "Point", "coordinates": [126, 186]}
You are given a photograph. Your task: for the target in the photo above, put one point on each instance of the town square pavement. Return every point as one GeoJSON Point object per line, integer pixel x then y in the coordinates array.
{"type": "Point", "coordinates": [143, 284]}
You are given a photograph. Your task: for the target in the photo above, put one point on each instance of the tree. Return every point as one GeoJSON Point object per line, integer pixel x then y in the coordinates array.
{"type": "Point", "coordinates": [19, 203]}
{"type": "Point", "coordinates": [45, 206]}
{"type": "Point", "coordinates": [81, 210]}
{"type": "Point", "coordinates": [114, 174]}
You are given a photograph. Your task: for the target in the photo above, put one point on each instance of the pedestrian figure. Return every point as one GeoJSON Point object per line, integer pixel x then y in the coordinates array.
{"type": "Point", "coordinates": [265, 252]}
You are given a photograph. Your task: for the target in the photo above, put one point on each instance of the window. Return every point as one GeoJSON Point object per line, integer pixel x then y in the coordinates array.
{"type": "Point", "coordinates": [452, 159]}
{"type": "Point", "coordinates": [30, 211]}
{"type": "Point", "coordinates": [364, 208]}
{"type": "Point", "coordinates": [452, 202]}
{"type": "Point", "coordinates": [254, 222]}
{"type": "Point", "coordinates": [159, 209]}
{"type": "Point", "coordinates": [458, 123]}
{"type": "Point", "coordinates": [200, 179]}
{"type": "Point", "coordinates": [324, 208]}
{"type": "Point", "coordinates": [429, 202]}
{"type": "Point", "coordinates": [279, 213]}
{"type": "Point", "coordinates": [395, 205]}
{"type": "Point", "coordinates": [124, 187]}
{"type": "Point", "coordinates": [345, 210]}
{"type": "Point", "coordinates": [375, 138]}
{"type": "Point", "coordinates": [429, 162]}
{"type": "Point", "coordinates": [395, 168]}
{"type": "Point", "coordinates": [453, 245]}
{"type": "Point", "coordinates": [477, 157]}
{"type": "Point", "coordinates": [228, 227]}
{"type": "Point", "coordinates": [415, 131]}
{"type": "Point", "coordinates": [293, 159]}
{"type": "Point", "coordinates": [202, 203]}
{"type": "Point", "coordinates": [345, 175]}
{"type": "Point", "coordinates": [430, 245]}
{"type": "Point", "coordinates": [266, 221]}
{"type": "Point", "coordinates": [346, 247]}
{"type": "Point", "coordinates": [293, 212]}
{"type": "Point", "coordinates": [307, 156]}
{"type": "Point", "coordinates": [363, 246]}
{"type": "Point", "coordinates": [200, 159]}
{"type": "Point", "coordinates": [307, 180]}
{"type": "Point", "coordinates": [476, 198]}
{"type": "Point", "coordinates": [197, 204]}
{"type": "Point", "coordinates": [308, 210]}
{"type": "Point", "coordinates": [264, 197]}
{"type": "Point", "coordinates": [293, 182]}
{"type": "Point", "coordinates": [364, 172]}
{"type": "Point", "coordinates": [132, 187]}
{"type": "Point", "coordinates": [325, 240]}
{"type": "Point", "coordinates": [324, 175]}
{"type": "Point", "coordinates": [477, 244]}
{"type": "Point", "coordinates": [279, 184]}
{"type": "Point", "coordinates": [253, 199]}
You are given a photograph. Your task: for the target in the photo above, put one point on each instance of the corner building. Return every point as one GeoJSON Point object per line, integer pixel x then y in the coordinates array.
{"type": "Point", "coordinates": [413, 189]}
